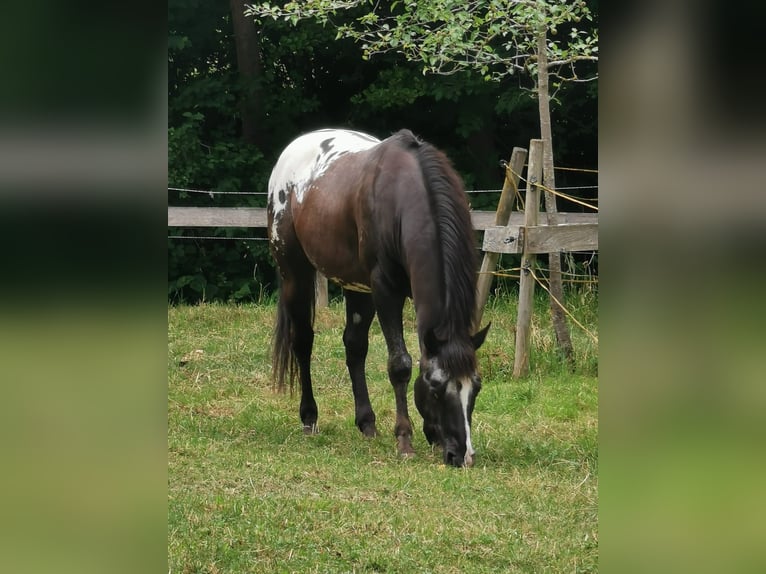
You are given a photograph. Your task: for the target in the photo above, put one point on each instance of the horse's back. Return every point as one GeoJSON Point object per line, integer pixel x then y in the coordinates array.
{"type": "Point", "coordinates": [309, 155]}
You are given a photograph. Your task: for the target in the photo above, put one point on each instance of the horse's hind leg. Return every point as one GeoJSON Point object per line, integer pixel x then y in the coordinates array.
{"type": "Point", "coordinates": [359, 314]}
{"type": "Point", "coordinates": [297, 297]}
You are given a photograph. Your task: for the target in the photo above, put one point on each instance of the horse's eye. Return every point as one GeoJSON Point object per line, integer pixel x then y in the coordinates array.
{"type": "Point", "coordinates": [437, 387]}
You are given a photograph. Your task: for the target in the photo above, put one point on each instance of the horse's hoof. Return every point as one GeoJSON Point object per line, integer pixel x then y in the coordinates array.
{"type": "Point", "coordinates": [310, 429]}
{"type": "Point", "coordinates": [404, 446]}
{"type": "Point", "coordinates": [370, 431]}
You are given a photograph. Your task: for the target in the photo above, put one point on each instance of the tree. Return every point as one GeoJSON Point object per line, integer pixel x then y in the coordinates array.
{"type": "Point", "coordinates": [250, 70]}
{"type": "Point", "coordinates": [497, 38]}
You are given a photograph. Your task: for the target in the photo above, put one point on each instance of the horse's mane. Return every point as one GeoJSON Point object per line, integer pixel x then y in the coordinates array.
{"type": "Point", "coordinates": [456, 241]}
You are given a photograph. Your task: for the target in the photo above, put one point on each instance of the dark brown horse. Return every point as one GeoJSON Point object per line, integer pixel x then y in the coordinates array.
{"type": "Point", "coordinates": [385, 220]}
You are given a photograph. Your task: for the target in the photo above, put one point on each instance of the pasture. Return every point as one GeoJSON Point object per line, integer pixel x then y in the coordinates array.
{"type": "Point", "coordinates": [248, 492]}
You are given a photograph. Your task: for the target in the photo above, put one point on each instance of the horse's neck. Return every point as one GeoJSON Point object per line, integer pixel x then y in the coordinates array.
{"type": "Point", "coordinates": [426, 282]}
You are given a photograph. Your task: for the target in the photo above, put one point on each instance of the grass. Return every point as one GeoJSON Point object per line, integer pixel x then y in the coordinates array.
{"type": "Point", "coordinates": [248, 492]}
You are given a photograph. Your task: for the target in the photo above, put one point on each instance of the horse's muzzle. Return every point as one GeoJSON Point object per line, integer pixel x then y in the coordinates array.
{"type": "Point", "coordinates": [454, 459]}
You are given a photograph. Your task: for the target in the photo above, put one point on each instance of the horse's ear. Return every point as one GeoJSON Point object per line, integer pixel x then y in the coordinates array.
{"type": "Point", "coordinates": [478, 338]}
{"type": "Point", "coordinates": [432, 343]}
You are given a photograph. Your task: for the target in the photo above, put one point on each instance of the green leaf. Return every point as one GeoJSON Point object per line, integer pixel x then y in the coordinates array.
{"type": "Point", "coordinates": [198, 283]}
{"type": "Point", "coordinates": [183, 281]}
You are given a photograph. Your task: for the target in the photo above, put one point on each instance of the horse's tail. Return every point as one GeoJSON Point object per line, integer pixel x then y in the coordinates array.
{"type": "Point", "coordinates": [284, 362]}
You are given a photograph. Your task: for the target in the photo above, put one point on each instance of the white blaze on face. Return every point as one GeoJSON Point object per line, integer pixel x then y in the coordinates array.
{"type": "Point", "coordinates": [464, 395]}
{"type": "Point", "coordinates": [466, 388]}
{"type": "Point", "coordinates": [305, 159]}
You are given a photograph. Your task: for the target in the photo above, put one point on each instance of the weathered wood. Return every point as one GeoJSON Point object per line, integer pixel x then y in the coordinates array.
{"type": "Point", "coordinates": [322, 300]}
{"type": "Point", "coordinates": [510, 185]}
{"type": "Point", "coordinates": [554, 238]}
{"type": "Point", "coordinates": [256, 217]}
{"type": "Point", "coordinates": [503, 213]}
{"type": "Point", "coordinates": [482, 220]}
{"type": "Point", "coordinates": [216, 216]}
{"type": "Point", "coordinates": [542, 238]}
{"type": "Point", "coordinates": [527, 282]}
{"type": "Point", "coordinates": [505, 239]}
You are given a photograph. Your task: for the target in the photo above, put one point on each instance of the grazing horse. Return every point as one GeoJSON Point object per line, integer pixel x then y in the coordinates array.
{"type": "Point", "coordinates": [385, 220]}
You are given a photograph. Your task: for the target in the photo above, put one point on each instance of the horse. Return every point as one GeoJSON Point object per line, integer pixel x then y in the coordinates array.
{"type": "Point", "coordinates": [386, 220]}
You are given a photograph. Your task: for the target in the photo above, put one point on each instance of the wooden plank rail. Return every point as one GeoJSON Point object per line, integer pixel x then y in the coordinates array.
{"type": "Point", "coordinates": [542, 238]}
{"type": "Point", "coordinates": [216, 216]}
{"type": "Point", "coordinates": [256, 217]}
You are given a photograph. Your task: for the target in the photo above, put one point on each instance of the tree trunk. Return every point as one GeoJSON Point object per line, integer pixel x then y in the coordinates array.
{"type": "Point", "coordinates": [250, 66]}
{"type": "Point", "coordinates": [558, 317]}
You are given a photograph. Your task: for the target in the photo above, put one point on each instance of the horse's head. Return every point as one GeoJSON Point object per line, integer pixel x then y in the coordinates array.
{"type": "Point", "coordinates": [445, 394]}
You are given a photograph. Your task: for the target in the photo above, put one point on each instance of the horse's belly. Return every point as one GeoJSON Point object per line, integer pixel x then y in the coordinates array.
{"type": "Point", "coordinates": [331, 244]}
{"type": "Point", "coordinates": [329, 223]}
{"type": "Point", "coordinates": [338, 264]}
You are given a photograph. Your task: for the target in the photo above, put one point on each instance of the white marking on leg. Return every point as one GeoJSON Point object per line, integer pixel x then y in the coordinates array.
{"type": "Point", "coordinates": [466, 388]}
{"type": "Point", "coordinates": [356, 318]}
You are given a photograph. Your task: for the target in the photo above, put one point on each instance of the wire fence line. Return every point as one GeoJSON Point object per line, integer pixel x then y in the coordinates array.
{"type": "Point", "coordinates": [561, 305]}
{"type": "Point", "coordinates": [556, 192]}
{"type": "Point", "coordinates": [211, 192]}
{"type": "Point", "coordinates": [213, 237]}
{"type": "Point", "coordinates": [512, 274]}
{"type": "Point", "coordinates": [578, 169]}
{"type": "Point", "coordinates": [506, 273]}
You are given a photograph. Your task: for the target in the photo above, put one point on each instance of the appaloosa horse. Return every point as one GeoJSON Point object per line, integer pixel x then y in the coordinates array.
{"type": "Point", "coordinates": [385, 220]}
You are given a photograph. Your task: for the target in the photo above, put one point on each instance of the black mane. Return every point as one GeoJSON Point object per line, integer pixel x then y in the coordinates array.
{"type": "Point", "coordinates": [458, 254]}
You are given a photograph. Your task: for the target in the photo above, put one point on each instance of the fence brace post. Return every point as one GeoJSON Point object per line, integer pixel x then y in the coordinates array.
{"type": "Point", "coordinates": [502, 216]}
{"type": "Point", "coordinates": [527, 281]}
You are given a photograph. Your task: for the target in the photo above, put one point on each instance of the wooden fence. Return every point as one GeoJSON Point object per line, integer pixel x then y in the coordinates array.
{"type": "Point", "coordinates": [256, 217]}
{"type": "Point", "coordinates": [531, 237]}
{"type": "Point", "coordinates": [505, 231]}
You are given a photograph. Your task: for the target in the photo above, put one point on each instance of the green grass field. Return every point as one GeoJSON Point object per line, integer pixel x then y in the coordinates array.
{"type": "Point", "coordinates": [248, 492]}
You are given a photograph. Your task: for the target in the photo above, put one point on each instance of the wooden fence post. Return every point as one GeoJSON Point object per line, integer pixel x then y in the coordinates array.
{"type": "Point", "coordinates": [527, 281]}
{"type": "Point", "coordinates": [322, 300]}
{"type": "Point", "coordinates": [502, 216]}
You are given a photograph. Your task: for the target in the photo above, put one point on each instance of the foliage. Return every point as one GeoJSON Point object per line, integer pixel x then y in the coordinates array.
{"type": "Point", "coordinates": [496, 38]}
{"type": "Point", "coordinates": [312, 79]}
{"type": "Point", "coordinates": [247, 491]}
{"type": "Point", "coordinates": [207, 269]}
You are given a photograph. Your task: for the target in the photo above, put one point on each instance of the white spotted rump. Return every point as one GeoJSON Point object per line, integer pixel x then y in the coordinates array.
{"type": "Point", "coordinates": [304, 160]}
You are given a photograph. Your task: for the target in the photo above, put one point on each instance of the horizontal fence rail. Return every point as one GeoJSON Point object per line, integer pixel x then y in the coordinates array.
{"type": "Point", "coordinates": [256, 217]}
{"type": "Point", "coordinates": [542, 238]}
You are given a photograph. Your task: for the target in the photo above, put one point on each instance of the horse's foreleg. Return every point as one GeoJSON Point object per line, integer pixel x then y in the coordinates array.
{"type": "Point", "coordinates": [359, 314]}
{"type": "Point", "coordinates": [389, 307]}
